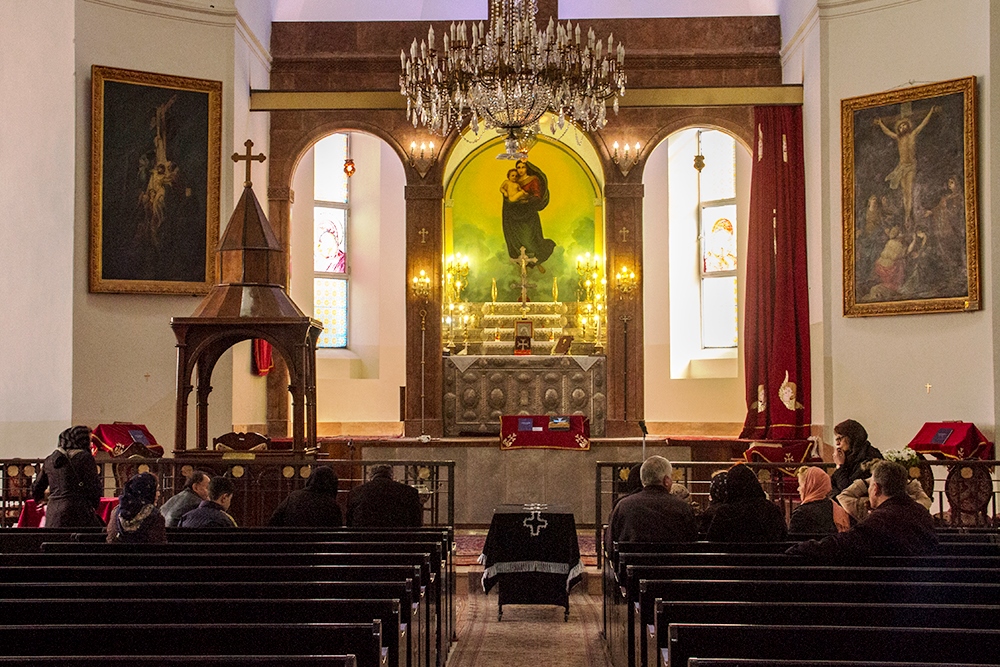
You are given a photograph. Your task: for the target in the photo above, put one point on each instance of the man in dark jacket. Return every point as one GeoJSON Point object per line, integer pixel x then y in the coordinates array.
{"type": "Point", "coordinates": [897, 525]}
{"type": "Point", "coordinates": [384, 502]}
{"type": "Point", "coordinates": [315, 506]}
{"type": "Point", "coordinates": [653, 514]}
{"type": "Point", "coordinates": [212, 513]}
{"type": "Point", "coordinates": [195, 490]}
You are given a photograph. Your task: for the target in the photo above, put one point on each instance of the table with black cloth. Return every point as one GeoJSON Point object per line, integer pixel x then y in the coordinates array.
{"type": "Point", "coordinates": [532, 554]}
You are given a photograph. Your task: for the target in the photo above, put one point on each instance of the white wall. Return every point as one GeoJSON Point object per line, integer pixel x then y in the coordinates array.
{"type": "Point", "coordinates": [37, 164]}
{"type": "Point", "coordinates": [124, 360]}
{"type": "Point", "coordinates": [877, 367]}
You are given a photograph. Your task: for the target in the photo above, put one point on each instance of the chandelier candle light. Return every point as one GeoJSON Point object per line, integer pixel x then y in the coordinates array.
{"type": "Point", "coordinates": [508, 74]}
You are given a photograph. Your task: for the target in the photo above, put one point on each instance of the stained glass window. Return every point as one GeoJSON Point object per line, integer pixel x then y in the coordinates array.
{"type": "Point", "coordinates": [331, 218]}
{"type": "Point", "coordinates": [330, 308]}
{"type": "Point", "coordinates": [718, 248]}
{"type": "Point", "coordinates": [330, 232]}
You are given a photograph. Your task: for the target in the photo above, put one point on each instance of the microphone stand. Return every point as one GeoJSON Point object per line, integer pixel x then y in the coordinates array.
{"type": "Point", "coordinates": [642, 425]}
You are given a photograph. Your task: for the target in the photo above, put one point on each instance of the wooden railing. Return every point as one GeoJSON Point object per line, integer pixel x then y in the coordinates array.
{"type": "Point", "coordinates": [964, 493]}
{"type": "Point", "coordinates": [260, 483]}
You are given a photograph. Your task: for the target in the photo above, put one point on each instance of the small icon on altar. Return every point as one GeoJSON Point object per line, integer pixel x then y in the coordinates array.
{"type": "Point", "coordinates": [525, 424]}
{"type": "Point", "coordinates": [559, 423]}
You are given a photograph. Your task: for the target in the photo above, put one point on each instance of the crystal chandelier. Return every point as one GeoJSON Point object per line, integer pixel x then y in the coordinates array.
{"type": "Point", "coordinates": [509, 75]}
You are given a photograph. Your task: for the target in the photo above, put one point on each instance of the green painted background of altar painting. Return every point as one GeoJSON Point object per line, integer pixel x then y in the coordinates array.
{"type": "Point", "coordinates": [473, 222]}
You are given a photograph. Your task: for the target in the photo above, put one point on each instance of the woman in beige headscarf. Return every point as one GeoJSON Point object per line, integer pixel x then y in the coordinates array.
{"type": "Point", "coordinates": [817, 514]}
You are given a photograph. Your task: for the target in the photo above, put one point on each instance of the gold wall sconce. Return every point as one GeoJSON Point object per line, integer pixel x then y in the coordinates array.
{"type": "Point", "coordinates": [421, 285]}
{"type": "Point", "coordinates": [626, 280]}
{"type": "Point", "coordinates": [422, 159]}
{"type": "Point", "coordinates": [625, 158]}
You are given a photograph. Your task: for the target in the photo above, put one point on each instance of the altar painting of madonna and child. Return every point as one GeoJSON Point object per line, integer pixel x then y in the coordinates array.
{"type": "Point", "coordinates": [549, 204]}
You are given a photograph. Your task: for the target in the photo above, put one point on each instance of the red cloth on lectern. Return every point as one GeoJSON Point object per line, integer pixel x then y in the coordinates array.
{"type": "Point", "coordinates": [116, 438]}
{"type": "Point", "coordinates": [532, 431]}
{"type": "Point", "coordinates": [964, 442]}
{"type": "Point", "coordinates": [776, 329]}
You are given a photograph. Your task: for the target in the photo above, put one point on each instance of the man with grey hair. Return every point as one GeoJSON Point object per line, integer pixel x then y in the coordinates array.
{"type": "Point", "coordinates": [653, 514]}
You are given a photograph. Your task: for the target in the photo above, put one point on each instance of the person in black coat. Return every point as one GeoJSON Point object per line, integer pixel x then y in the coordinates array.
{"type": "Point", "coordinates": [897, 526]}
{"type": "Point", "coordinates": [747, 515]}
{"type": "Point", "coordinates": [195, 490]}
{"type": "Point", "coordinates": [70, 475]}
{"type": "Point", "coordinates": [384, 502]}
{"type": "Point", "coordinates": [315, 506]}
{"type": "Point", "coordinates": [853, 455]}
{"type": "Point", "coordinates": [653, 514]}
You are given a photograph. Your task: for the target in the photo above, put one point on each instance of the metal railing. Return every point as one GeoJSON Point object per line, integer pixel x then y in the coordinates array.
{"type": "Point", "coordinates": [963, 493]}
{"type": "Point", "coordinates": [261, 483]}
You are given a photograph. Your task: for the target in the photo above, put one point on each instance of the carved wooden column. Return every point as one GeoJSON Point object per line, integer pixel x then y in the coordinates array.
{"type": "Point", "coordinates": [423, 316]}
{"type": "Point", "coordinates": [625, 332]}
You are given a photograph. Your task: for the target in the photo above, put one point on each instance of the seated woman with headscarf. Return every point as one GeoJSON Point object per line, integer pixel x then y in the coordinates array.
{"type": "Point", "coordinates": [853, 455]}
{"type": "Point", "coordinates": [747, 515]}
{"type": "Point", "coordinates": [817, 513]}
{"type": "Point", "coordinates": [716, 498]}
{"type": "Point", "coordinates": [137, 519]}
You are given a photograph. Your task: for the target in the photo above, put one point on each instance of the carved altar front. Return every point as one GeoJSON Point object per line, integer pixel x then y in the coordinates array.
{"type": "Point", "coordinates": [478, 390]}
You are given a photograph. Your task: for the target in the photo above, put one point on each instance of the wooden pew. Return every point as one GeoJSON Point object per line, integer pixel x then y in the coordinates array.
{"type": "Point", "coordinates": [716, 612]}
{"type": "Point", "coordinates": [863, 644]}
{"type": "Point", "coordinates": [641, 618]}
{"type": "Point", "coordinates": [282, 552]}
{"type": "Point", "coordinates": [251, 566]}
{"type": "Point", "coordinates": [363, 640]}
{"type": "Point", "coordinates": [743, 662]}
{"type": "Point", "coordinates": [211, 610]}
{"type": "Point", "coordinates": [182, 661]}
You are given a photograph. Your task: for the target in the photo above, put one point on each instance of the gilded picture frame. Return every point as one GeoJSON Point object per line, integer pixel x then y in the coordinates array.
{"type": "Point", "coordinates": [910, 219]}
{"type": "Point", "coordinates": [155, 174]}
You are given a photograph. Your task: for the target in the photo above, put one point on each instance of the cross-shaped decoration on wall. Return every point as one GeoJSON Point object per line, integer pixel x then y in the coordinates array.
{"type": "Point", "coordinates": [423, 234]}
{"type": "Point", "coordinates": [534, 522]}
{"type": "Point", "coordinates": [249, 159]}
{"type": "Point", "coordinates": [623, 232]}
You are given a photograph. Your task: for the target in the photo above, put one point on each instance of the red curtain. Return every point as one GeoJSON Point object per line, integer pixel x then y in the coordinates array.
{"type": "Point", "coordinates": [260, 360]}
{"type": "Point", "coordinates": [776, 335]}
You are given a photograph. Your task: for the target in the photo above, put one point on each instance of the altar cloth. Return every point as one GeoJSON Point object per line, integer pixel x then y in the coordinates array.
{"type": "Point", "coordinates": [545, 432]}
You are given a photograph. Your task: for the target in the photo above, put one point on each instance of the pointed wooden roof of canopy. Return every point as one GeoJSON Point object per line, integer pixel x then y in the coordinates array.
{"type": "Point", "coordinates": [250, 261]}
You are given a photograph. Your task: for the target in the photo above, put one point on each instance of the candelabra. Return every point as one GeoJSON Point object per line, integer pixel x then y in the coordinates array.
{"type": "Point", "coordinates": [588, 270]}
{"type": "Point", "coordinates": [456, 272]}
{"type": "Point", "coordinates": [626, 280]}
{"type": "Point", "coordinates": [421, 285]}
{"type": "Point", "coordinates": [423, 159]}
{"type": "Point", "coordinates": [624, 159]}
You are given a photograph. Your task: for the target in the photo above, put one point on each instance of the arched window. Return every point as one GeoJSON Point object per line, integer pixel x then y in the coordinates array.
{"type": "Point", "coordinates": [331, 228]}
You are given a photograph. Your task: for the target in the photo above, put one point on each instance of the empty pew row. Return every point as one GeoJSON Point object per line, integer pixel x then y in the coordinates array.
{"type": "Point", "coordinates": [124, 611]}
{"type": "Point", "coordinates": [363, 640]}
{"type": "Point", "coordinates": [864, 645]}
{"type": "Point", "coordinates": [311, 564]}
{"type": "Point", "coordinates": [426, 555]}
{"type": "Point", "coordinates": [866, 614]}
{"type": "Point", "coordinates": [181, 661]}
{"type": "Point", "coordinates": [265, 583]}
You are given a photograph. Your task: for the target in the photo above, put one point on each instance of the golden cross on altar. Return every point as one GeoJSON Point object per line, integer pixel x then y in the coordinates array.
{"type": "Point", "coordinates": [524, 261]}
{"type": "Point", "coordinates": [623, 232]}
{"type": "Point", "coordinates": [423, 234]}
{"type": "Point", "coordinates": [249, 159]}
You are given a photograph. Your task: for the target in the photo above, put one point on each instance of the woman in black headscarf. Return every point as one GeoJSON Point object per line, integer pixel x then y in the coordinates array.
{"type": "Point", "coordinates": [716, 498]}
{"type": "Point", "coordinates": [853, 455]}
{"type": "Point", "coordinates": [314, 506]}
{"type": "Point", "coordinates": [747, 515]}
{"type": "Point", "coordinates": [137, 519]}
{"type": "Point", "coordinates": [70, 476]}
